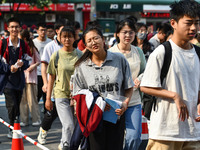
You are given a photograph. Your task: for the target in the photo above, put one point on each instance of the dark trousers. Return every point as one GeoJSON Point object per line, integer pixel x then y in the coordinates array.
{"type": "Point", "coordinates": [40, 92]}
{"type": "Point", "coordinates": [110, 137]}
{"type": "Point", "coordinates": [13, 99]}
{"type": "Point", "coordinates": [49, 117]}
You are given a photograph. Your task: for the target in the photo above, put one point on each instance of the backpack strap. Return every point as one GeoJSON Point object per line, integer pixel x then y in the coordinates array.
{"type": "Point", "coordinates": [3, 47]}
{"type": "Point", "coordinates": [167, 60]}
{"type": "Point", "coordinates": [56, 60]}
{"type": "Point", "coordinates": [165, 67]}
{"type": "Point", "coordinates": [197, 49]}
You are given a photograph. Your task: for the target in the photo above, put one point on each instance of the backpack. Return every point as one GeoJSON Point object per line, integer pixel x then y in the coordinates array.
{"type": "Point", "coordinates": [4, 46]}
{"type": "Point", "coordinates": [149, 101]}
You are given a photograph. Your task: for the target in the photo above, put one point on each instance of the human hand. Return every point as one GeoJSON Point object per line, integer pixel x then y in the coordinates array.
{"type": "Point", "coordinates": [44, 88]}
{"type": "Point", "coordinates": [182, 108]}
{"type": "Point", "coordinates": [20, 63]}
{"type": "Point", "coordinates": [198, 113]}
{"type": "Point", "coordinates": [13, 69]}
{"type": "Point", "coordinates": [121, 111]}
{"type": "Point", "coordinates": [137, 83]}
{"type": "Point", "coordinates": [49, 105]}
{"type": "Point", "coordinates": [107, 107]}
{"type": "Point", "coordinates": [30, 69]}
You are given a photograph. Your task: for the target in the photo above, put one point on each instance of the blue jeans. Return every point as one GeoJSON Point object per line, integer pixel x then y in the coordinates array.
{"type": "Point", "coordinates": [133, 122]}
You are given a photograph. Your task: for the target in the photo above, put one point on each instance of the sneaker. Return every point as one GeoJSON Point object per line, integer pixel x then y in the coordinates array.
{"type": "Point", "coordinates": [42, 136]}
{"type": "Point", "coordinates": [37, 123]}
{"type": "Point", "coordinates": [10, 134]}
{"type": "Point", "coordinates": [23, 124]}
{"type": "Point", "coordinates": [59, 147]}
{"type": "Point", "coordinates": [65, 146]}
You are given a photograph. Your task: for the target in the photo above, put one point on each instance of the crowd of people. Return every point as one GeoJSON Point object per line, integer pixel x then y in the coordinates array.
{"type": "Point", "coordinates": [59, 63]}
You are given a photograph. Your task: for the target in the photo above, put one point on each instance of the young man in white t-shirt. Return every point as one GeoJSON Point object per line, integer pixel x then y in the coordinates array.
{"type": "Point", "coordinates": [175, 123]}
{"type": "Point", "coordinates": [40, 42]}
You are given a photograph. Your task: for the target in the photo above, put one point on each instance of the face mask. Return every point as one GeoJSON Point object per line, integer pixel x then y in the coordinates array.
{"type": "Point", "coordinates": [141, 35]}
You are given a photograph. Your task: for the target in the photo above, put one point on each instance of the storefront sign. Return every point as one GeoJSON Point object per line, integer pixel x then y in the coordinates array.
{"type": "Point", "coordinates": [119, 7]}
{"type": "Point", "coordinates": [155, 15]}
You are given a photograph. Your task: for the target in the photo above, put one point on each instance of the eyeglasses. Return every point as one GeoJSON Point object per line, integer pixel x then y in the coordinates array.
{"type": "Point", "coordinates": [95, 39]}
{"type": "Point", "coordinates": [128, 32]}
{"type": "Point", "coordinates": [14, 27]}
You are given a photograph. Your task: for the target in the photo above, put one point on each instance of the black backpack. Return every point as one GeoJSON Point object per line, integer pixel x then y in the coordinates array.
{"type": "Point", "coordinates": [149, 101]}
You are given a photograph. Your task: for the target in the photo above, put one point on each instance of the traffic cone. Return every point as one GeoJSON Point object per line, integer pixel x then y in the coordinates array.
{"type": "Point", "coordinates": [17, 141]}
{"type": "Point", "coordinates": [145, 133]}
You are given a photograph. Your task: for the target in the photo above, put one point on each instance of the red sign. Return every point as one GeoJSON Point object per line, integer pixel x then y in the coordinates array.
{"type": "Point", "coordinates": [27, 7]}
{"type": "Point", "coordinates": [155, 15]}
{"type": "Point", "coordinates": [52, 7]}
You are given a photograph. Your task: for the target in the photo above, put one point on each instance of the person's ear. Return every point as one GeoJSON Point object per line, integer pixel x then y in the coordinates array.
{"type": "Point", "coordinates": [173, 24]}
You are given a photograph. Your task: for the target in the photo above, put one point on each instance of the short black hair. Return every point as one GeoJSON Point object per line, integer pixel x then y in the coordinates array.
{"type": "Point", "coordinates": [13, 19]}
{"type": "Point", "coordinates": [93, 24]}
{"type": "Point", "coordinates": [50, 26]}
{"type": "Point", "coordinates": [41, 24]}
{"type": "Point", "coordinates": [68, 30]}
{"type": "Point", "coordinates": [165, 28]}
{"type": "Point", "coordinates": [133, 18]}
{"type": "Point", "coordinates": [183, 8]}
{"type": "Point", "coordinates": [59, 23]}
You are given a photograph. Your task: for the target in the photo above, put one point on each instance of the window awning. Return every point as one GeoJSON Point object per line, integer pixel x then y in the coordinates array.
{"type": "Point", "coordinates": [158, 2]}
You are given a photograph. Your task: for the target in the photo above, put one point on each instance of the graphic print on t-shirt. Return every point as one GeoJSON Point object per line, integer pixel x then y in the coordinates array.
{"type": "Point", "coordinates": [102, 84]}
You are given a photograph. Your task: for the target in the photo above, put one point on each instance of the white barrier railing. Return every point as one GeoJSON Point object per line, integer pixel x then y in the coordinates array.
{"type": "Point", "coordinates": [24, 136]}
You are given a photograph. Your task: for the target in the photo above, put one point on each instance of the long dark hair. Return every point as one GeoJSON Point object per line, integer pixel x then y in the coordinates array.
{"type": "Point", "coordinates": [87, 53]}
{"type": "Point", "coordinates": [26, 35]}
{"type": "Point", "coordinates": [146, 46]}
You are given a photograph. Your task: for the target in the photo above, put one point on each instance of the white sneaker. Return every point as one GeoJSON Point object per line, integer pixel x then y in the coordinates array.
{"type": "Point", "coordinates": [42, 136]}
{"type": "Point", "coordinates": [59, 147]}
{"type": "Point", "coordinates": [10, 134]}
{"type": "Point", "coordinates": [23, 124]}
{"type": "Point", "coordinates": [37, 123]}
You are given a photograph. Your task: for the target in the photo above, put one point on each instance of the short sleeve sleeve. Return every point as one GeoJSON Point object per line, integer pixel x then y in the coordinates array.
{"type": "Point", "coordinates": [51, 67]}
{"type": "Point", "coordinates": [128, 81]}
{"type": "Point", "coordinates": [78, 81]}
{"type": "Point", "coordinates": [151, 77]}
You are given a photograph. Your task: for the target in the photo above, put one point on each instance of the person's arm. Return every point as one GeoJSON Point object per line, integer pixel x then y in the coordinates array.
{"type": "Point", "coordinates": [44, 76]}
{"type": "Point", "coordinates": [198, 109]}
{"type": "Point", "coordinates": [36, 59]}
{"type": "Point", "coordinates": [26, 59]}
{"type": "Point", "coordinates": [128, 94]}
{"type": "Point", "coordinates": [159, 92]}
{"type": "Point", "coordinates": [49, 103]}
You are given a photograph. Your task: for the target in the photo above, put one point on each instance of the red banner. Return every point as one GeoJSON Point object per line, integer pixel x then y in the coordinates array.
{"type": "Point", "coordinates": [52, 7]}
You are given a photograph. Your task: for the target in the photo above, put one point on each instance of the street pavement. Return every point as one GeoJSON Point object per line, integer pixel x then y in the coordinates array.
{"type": "Point", "coordinates": [53, 137]}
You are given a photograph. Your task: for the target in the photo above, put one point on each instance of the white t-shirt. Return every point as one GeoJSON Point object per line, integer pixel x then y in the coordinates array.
{"type": "Point", "coordinates": [40, 46]}
{"type": "Point", "coordinates": [184, 78]}
{"type": "Point", "coordinates": [133, 58]}
{"type": "Point", "coordinates": [49, 49]}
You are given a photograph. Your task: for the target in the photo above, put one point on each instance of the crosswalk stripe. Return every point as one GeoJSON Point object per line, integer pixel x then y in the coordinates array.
{"type": "Point", "coordinates": [2, 101]}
